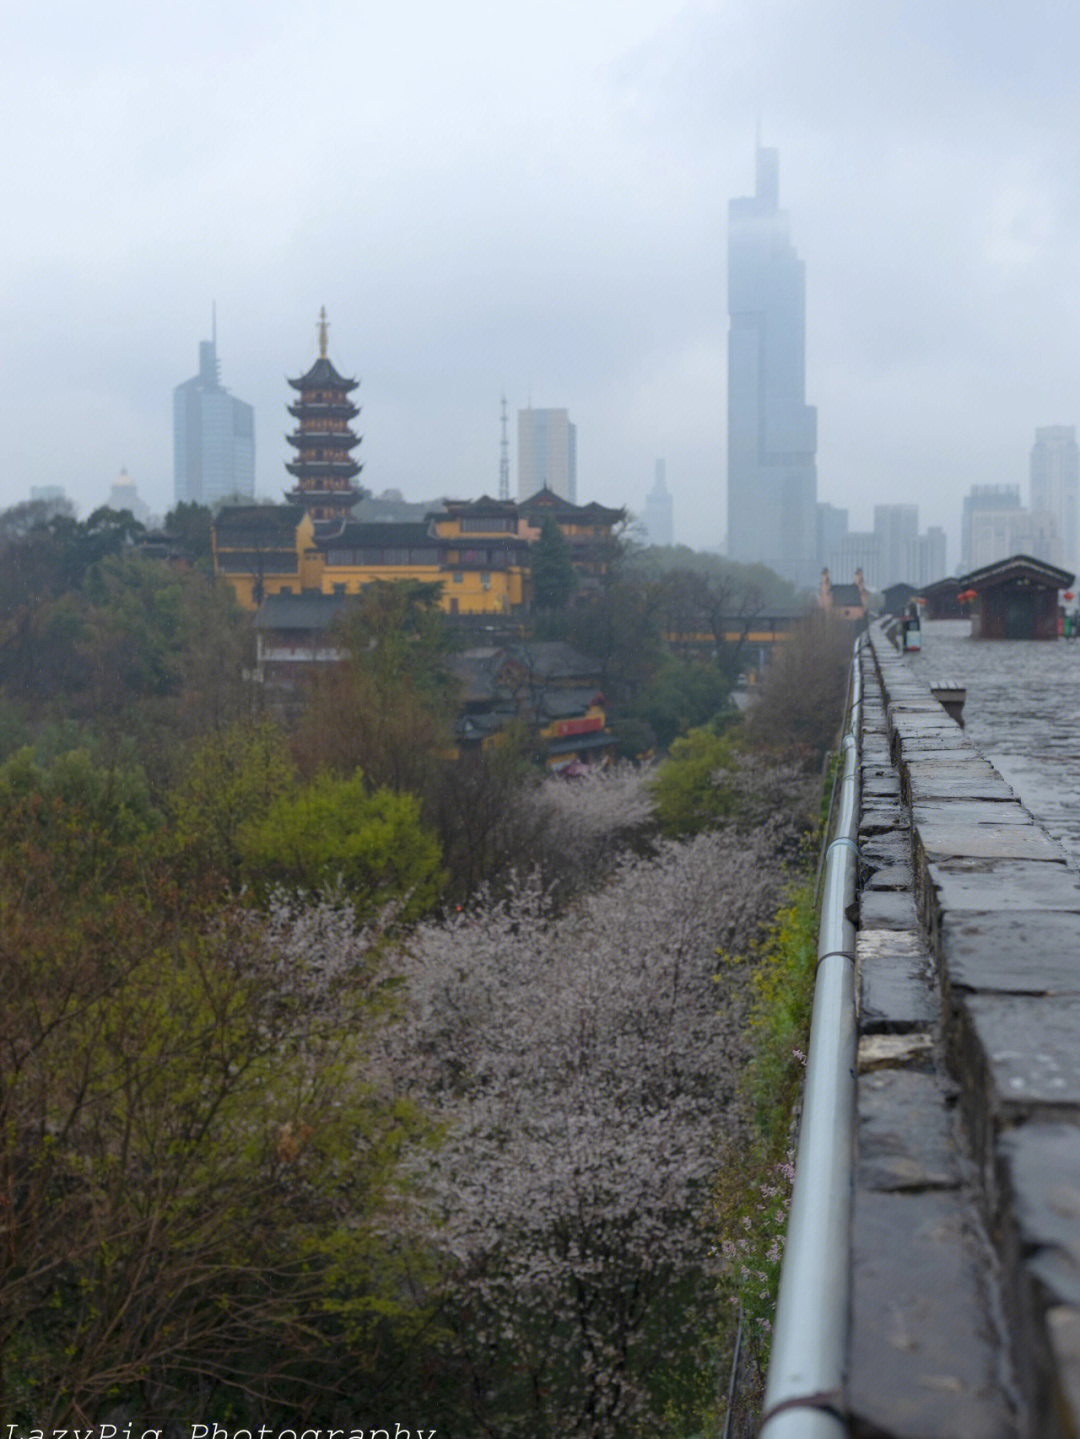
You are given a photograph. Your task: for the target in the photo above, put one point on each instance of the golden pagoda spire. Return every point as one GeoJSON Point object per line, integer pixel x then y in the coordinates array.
{"type": "Point", "coordinates": [323, 328]}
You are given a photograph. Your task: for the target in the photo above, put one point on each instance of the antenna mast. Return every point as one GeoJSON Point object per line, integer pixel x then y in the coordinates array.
{"type": "Point", "coordinates": [504, 458]}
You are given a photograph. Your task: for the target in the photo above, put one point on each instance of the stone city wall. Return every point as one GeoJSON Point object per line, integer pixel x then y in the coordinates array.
{"type": "Point", "coordinates": [966, 1217]}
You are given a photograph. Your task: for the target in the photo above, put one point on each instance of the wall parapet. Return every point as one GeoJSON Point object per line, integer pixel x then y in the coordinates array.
{"type": "Point", "coordinates": [966, 1218]}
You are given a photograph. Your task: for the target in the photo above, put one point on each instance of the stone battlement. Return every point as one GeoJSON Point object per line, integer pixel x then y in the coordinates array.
{"type": "Point", "coordinates": [966, 1217]}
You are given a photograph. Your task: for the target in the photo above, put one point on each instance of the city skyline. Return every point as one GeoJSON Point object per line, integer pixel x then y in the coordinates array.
{"type": "Point", "coordinates": [497, 212]}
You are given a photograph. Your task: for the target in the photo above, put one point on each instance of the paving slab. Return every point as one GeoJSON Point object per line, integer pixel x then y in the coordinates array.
{"type": "Point", "coordinates": [1029, 1048]}
{"type": "Point", "coordinates": [1041, 1193]}
{"type": "Point", "coordinates": [996, 884]}
{"type": "Point", "coordinates": [933, 738]}
{"type": "Point", "coordinates": [881, 817]}
{"type": "Point", "coordinates": [924, 1359]}
{"type": "Point", "coordinates": [943, 839]}
{"type": "Point", "coordinates": [887, 909]}
{"type": "Point", "coordinates": [878, 787]}
{"type": "Point", "coordinates": [899, 874]}
{"type": "Point", "coordinates": [1063, 1337]}
{"type": "Point", "coordinates": [1017, 952]}
{"type": "Point", "coordinates": [905, 1132]}
{"type": "Point", "coordinates": [888, 944]}
{"type": "Point", "coordinates": [890, 847]}
{"type": "Point", "coordinates": [897, 992]}
{"type": "Point", "coordinates": [913, 1050]}
{"type": "Point", "coordinates": [950, 777]}
{"type": "Point", "coordinates": [875, 747]}
{"type": "Point", "coordinates": [969, 812]}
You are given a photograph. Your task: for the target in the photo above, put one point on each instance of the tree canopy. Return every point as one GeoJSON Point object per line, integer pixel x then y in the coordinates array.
{"type": "Point", "coordinates": [553, 576]}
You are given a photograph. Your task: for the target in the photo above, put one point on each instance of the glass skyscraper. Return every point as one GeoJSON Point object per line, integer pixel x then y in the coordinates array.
{"type": "Point", "coordinates": [213, 437]}
{"type": "Point", "coordinates": [547, 454]}
{"type": "Point", "coordinates": [772, 431]}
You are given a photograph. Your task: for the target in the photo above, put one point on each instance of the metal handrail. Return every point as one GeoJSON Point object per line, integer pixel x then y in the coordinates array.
{"type": "Point", "coordinates": [732, 1379]}
{"type": "Point", "coordinates": [804, 1392]}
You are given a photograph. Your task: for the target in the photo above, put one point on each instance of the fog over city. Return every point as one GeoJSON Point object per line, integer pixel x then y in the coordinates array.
{"type": "Point", "coordinates": [532, 201]}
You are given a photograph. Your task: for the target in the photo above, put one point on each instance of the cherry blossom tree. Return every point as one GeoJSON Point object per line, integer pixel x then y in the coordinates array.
{"type": "Point", "coordinates": [584, 1064]}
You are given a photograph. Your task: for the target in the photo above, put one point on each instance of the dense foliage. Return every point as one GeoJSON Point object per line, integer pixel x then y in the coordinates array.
{"type": "Point", "coordinates": [341, 1072]}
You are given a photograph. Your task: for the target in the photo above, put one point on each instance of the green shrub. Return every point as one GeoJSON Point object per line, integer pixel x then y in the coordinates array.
{"type": "Point", "coordinates": [783, 987]}
{"type": "Point", "coordinates": [333, 833]}
{"type": "Point", "coordinates": [687, 791]}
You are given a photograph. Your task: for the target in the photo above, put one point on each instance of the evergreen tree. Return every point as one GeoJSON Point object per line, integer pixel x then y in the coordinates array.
{"type": "Point", "coordinates": [554, 580]}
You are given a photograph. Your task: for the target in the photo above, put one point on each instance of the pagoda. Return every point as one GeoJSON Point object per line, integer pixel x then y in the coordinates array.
{"type": "Point", "coordinates": [323, 465]}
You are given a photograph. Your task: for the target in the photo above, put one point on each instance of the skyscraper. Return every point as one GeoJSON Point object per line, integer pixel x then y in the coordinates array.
{"type": "Point", "coordinates": [1055, 486]}
{"type": "Point", "coordinates": [898, 526]}
{"type": "Point", "coordinates": [658, 517]}
{"type": "Point", "coordinates": [547, 454]}
{"type": "Point", "coordinates": [772, 432]}
{"type": "Point", "coordinates": [213, 437]}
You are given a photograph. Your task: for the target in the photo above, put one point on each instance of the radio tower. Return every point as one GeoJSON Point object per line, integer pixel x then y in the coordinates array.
{"type": "Point", "coordinates": [504, 458]}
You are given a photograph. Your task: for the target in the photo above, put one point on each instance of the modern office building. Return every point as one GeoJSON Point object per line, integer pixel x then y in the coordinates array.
{"type": "Point", "coordinates": [547, 454]}
{"type": "Point", "coordinates": [857, 550]}
{"type": "Point", "coordinates": [213, 437]}
{"type": "Point", "coordinates": [772, 432]}
{"type": "Point", "coordinates": [832, 526]}
{"type": "Point", "coordinates": [931, 558]}
{"type": "Point", "coordinates": [658, 516]}
{"type": "Point", "coordinates": [1055, 486]}
{"type": "Point", "coordinates": [996, 526]}
{"type": "Point", "coordinates": [992, 518]}
{"type": "Point", "coordinates": [898, 528]}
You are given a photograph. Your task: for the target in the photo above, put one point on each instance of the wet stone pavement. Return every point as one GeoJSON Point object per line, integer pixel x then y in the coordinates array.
{"type": "Point", "coordinates": [966, 1207]}
{"type": "Point", "coordinates": [1022, 712]}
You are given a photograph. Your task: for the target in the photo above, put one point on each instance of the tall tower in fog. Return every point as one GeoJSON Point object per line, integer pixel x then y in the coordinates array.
{"type": "Point", "coordinates": [213, 436]}
{"type": "Point", "coordinates": [658, 517]}
{"type": "Point", "coordinates": [772, 431]}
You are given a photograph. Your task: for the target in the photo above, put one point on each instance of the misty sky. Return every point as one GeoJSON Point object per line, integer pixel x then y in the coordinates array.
{"type": "Point", "coordinates": [532, 199]}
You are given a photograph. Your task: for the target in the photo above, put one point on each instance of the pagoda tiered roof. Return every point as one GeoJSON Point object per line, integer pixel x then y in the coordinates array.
{"type": "Point", "coordinates": [323, 466]}
{"type": "Point", "coordinates": [323, 376]}
{"type": "Point", "coordinates": [324, 409]}
{"type": "Point", "coordinates": [326, 439]}
{"type": "Point", "coordinates": [341, 469]}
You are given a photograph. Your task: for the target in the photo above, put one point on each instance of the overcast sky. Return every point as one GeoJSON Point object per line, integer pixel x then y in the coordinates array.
{"type": "Point", "coordinates": [532, 200]}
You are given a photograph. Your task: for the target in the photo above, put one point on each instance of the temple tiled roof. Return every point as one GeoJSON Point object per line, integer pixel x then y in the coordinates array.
{"type": "Point", "coordinates": [269, 525]}
{"type": "Point", "coordinates": [1015, 567]}
{"type": "Point", "coordinates": [547, 502]}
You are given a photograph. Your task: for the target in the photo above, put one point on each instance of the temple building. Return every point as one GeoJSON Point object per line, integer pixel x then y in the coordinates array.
{"type": "Point", "coordinates": [323, 465]}
{"type": "Point", "coordinates": [476, 551]}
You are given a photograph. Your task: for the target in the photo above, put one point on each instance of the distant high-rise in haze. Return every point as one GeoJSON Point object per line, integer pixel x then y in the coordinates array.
{"type": "Point", "coordinates": [547, 454]}
{"type": "Point", "coordinates": [1055, 485]}
{"type": "Point", "coordinates": [213, 437]}
{"type": "Point", "coordinates": [658, 517]}
{"type": "Point", "coordinates": [772, 431]}
{"type": "Point", "coordinates": [898, 527]}
{"type": "Point", "coordinates": [124, 496]}
{"type": "Point", "coordinates": [991, 522]}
